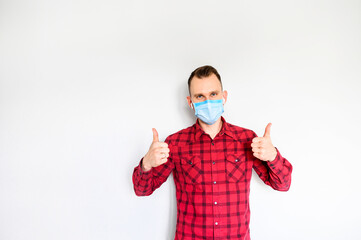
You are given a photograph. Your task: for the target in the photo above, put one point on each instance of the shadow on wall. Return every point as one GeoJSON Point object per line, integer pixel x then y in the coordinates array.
{"type": "Point", "coordinates": [187, 114]}
{"type": "Point", "coordinates": [173, 210]}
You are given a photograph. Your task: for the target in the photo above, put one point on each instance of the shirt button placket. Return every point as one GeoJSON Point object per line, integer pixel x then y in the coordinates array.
{"type": "Point", "coordinates": [215, 191]}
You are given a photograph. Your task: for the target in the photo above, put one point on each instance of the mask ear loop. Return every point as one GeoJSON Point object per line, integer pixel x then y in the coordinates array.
{"type": "Point", "coordinates": [192, 105]}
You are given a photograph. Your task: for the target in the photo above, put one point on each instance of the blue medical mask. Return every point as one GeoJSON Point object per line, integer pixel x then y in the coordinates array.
{"type": "Point", "coordinates": [209, 111]}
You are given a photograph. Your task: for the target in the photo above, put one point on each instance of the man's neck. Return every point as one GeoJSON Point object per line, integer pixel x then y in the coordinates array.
{"type": "Point", "coordinates": [211, 130]}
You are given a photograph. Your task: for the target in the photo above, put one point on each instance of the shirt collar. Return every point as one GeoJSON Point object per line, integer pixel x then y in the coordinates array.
{"type": "Point", "coordinates": [225, 130]}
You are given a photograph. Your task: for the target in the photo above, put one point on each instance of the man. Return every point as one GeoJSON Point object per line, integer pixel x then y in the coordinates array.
{"type": "Point", "coordinates": [212, 165]}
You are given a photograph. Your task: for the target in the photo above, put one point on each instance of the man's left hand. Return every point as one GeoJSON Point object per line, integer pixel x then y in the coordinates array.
{"type": "Point", "coordinates": [262, 147]}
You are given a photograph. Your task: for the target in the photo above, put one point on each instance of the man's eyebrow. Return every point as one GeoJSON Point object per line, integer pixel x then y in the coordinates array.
{"type": "Point", "coordinates": [201, 94]}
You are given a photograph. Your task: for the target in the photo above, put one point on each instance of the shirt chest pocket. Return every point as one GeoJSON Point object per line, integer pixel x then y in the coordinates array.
{"type": "Point", "coordinates": [192, 169]}
{"type": "Point", "coordinates": [235, 168]}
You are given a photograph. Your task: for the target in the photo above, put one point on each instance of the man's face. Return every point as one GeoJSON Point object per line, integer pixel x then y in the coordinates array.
{"type": "Point", "coordinates": [208, 88]}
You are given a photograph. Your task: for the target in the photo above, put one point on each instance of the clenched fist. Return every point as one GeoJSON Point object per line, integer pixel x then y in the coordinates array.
{"type": "Point", "coordinates": [262, 147]}
{"type": "Point", "coordinates": [157, 154]}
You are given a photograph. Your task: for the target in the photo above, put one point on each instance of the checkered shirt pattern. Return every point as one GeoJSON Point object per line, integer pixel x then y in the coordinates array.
{"type": "Point", "coordinates": [212, 179]}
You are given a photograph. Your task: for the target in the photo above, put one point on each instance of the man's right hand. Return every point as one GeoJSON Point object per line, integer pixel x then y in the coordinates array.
{"type": "Point", "coordinates": [157, 154]}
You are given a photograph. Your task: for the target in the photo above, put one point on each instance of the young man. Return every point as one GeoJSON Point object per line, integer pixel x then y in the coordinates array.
{"type": "Point", "coordinates": [212, 165]}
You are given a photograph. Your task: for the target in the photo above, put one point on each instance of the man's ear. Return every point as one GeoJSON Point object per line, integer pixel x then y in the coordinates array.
{"type": "Point", "coordinates": [225, 95]}
{"type": "Point", "coordinates": [189, 102]}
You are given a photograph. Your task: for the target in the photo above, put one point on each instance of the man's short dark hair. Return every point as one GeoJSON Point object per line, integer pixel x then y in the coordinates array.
{"type": "Point", "coordinates": [201, 72]}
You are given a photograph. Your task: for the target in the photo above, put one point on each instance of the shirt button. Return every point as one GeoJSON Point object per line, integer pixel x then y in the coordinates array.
{"type": "Point", "coordinates": [236, 160]}
{"type": "Point", "coordinates": [216, 223]}
{"type": "Point", "coordinates": [212, 143]}
{"type": "Point", "coordinates": [214, 163]}
{"type": "Point", "coordinates": [215, 203]}
{"type": "Point", "coordinates": [214, 182]}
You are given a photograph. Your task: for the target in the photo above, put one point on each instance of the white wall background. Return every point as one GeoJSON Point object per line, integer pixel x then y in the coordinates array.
{"type": "Point", "coordinates": [83, 82]}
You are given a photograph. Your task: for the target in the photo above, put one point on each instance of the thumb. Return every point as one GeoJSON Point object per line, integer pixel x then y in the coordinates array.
{"type": "Point", "coordinates": [155, 135]}
{"type": "Point", "coordinates": [267, 132]}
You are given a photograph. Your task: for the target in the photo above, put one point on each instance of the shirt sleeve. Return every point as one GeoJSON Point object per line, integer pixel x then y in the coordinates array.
{"type": "Point", "coordinates": [145, 183]}
{"type": "Point", "coordinates": [276, 173]}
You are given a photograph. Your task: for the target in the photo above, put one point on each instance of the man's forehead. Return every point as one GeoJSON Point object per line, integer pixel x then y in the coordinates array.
{"type": "Point", "coordinates": [205, 85]}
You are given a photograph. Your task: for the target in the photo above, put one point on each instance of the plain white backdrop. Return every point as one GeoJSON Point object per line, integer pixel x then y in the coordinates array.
{"type": "Point", "coordinates": [83, 82]}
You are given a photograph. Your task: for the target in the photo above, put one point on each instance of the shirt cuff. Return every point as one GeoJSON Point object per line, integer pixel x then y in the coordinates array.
{"type": "Point", "coordinates": [277, 162]}
{"type": "Point", "coordinates": [143, 173]}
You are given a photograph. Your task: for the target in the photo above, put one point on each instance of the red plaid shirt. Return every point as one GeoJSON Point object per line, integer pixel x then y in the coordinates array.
{"type": "Point", "coordinates": [212, 179]}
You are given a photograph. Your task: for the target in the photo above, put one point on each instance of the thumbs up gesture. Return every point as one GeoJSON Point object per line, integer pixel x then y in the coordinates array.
{"type": "Point", "coordinates": [262, 147]}
{"type": "Point", "coordinates": [157, 154]}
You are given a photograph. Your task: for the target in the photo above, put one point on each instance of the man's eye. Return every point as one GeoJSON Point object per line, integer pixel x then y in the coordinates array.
{"type": "Point", "coordinates": [200, 96]}
{"type": "Point", "coordinates": [213, 94]}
